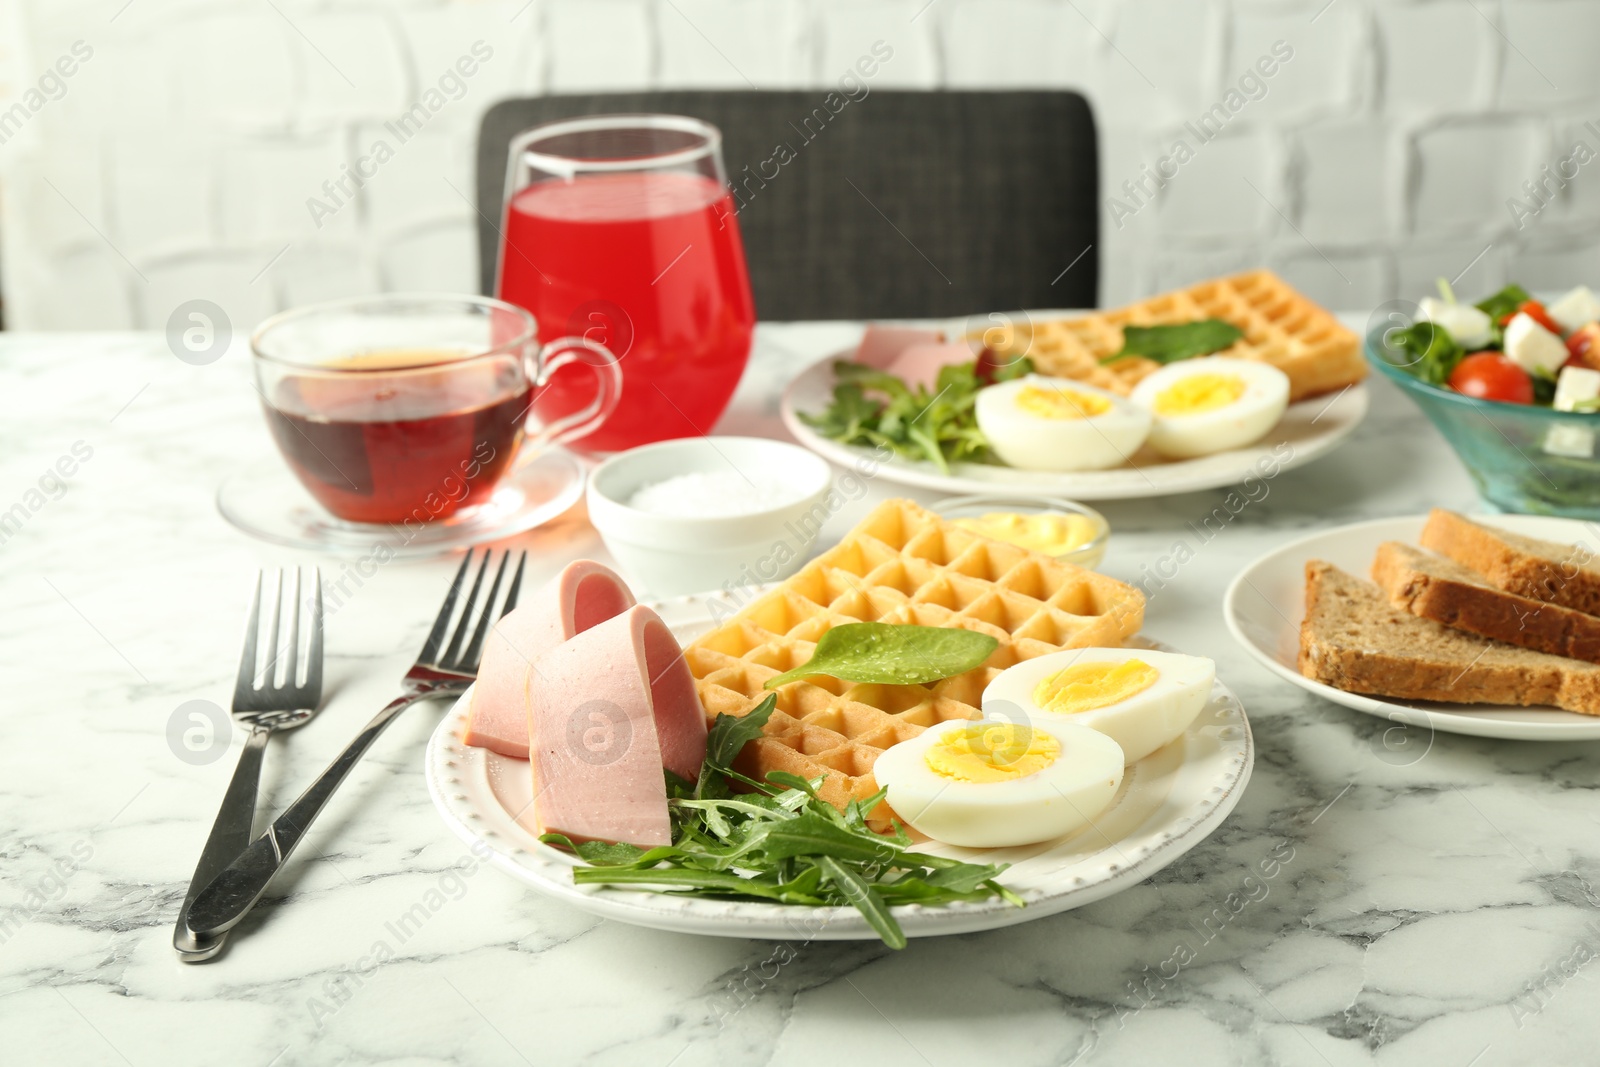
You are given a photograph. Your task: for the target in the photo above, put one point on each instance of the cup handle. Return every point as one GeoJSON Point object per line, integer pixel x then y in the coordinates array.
{"type": "Point", "coordinates": [562, 352]}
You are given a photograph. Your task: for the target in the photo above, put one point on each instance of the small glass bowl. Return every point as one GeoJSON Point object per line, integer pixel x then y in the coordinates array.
{"type": "Point", "coordinates": [1520, 456]}
{"type": "Point", "coordinates": [1086, 555]}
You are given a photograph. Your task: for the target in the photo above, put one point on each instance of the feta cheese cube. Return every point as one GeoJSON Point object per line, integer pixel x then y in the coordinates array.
{"type": "Point", "coordinates": [1575, 384]}
{"type": "Point", "coordinates": [1465, 323]}
{"type": "Point", "coordinates": [1578, 308]}
{"type": "Point", "coordinates": [1532, 347]}
{"type": "Point", "coordinates": [1574, 441]}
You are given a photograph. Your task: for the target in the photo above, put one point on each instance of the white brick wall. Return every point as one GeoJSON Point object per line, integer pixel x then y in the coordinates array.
{"type": "Point", "coordinates": [179, 161]}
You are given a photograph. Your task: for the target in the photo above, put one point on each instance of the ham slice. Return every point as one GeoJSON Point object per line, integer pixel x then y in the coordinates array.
{"type": "Point", "coordinates": [607, 711]}
{"type": "Point", "coordinates": [583, 595]}
{"type": "Point", "coordinates": [881, 345]}
{"type": "Point", "coordinates": [920, 364]}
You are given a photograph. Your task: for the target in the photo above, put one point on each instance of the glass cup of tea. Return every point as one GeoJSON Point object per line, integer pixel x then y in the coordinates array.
{"type": "Point", "coordinates": [621, 229]}
{"type": "Point", "coordinates": [411, 408]}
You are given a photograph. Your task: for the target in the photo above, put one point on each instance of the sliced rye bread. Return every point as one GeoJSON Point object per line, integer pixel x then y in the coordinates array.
{"type": "Point", "coordinates": [1353, 640]}
{"type": "Point", "coordinates": [1440, 589]}
{"type": "Point", "coordinates": [1546, 571]}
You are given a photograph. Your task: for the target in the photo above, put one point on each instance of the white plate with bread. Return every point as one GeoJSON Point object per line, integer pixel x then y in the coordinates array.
{"type": "Point", "coordinates": [1488, 626]}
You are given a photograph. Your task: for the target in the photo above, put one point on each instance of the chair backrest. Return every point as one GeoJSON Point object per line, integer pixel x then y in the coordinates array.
{"type": "Point", "coordinates": [893, 205]}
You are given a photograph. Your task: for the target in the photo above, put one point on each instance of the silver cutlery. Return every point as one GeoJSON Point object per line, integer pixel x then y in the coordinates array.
{"type": "Point", "coordinates": [262, 709]}
{"type": "Point", "coordinates": [441, 670]}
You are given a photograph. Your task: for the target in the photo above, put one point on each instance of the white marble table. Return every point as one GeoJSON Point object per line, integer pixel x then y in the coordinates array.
{"type": "Point", "coordinates": [1431, 910]}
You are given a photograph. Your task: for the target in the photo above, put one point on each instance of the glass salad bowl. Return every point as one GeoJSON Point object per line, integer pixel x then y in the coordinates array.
{"type": "Point", "coordinates": [1524, 458]}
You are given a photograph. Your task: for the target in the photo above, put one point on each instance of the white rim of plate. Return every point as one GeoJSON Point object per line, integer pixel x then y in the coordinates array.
{"type": "Point", "coordinates": [457, 773]}
{"type": "Point", "coordinates": [1486, 720]}
{"type": "Point", "coordinates": [1118, 483]}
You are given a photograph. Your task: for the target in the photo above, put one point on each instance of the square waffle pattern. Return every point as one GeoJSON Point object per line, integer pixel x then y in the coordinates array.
{"type": "Point", "coordinates": [1280, 326]}
{"type": "Point", "coordinates": [902, 564]}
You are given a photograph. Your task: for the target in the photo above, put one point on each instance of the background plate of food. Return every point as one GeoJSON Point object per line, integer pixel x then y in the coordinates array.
{"type": "Point", "coordinates": [1190, 390]}
{"type": "Point", "coordinates": [1488, 625]}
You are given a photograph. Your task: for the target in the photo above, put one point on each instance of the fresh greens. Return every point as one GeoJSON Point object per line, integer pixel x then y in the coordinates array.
{"type": "Point", "coordinates": [1183, 340]}
{"type": "Point", "coordinates": [873, 407]}
{"type": "Point", "coordinates": [1422, 349]}
{"type": "Point", "coordinates": [1499, 306]}
{"type": "Point", "coordinates": [1505, 302]}
{"type": "Point", "coordinates": [781, 843]}
{"type": "Point", "coordinates": [891, 654]}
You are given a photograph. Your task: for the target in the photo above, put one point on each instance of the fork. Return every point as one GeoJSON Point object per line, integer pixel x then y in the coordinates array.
{"type": "Point", "coordinates": [440, 670]}
{"type": "Point", "coordinates": [263, 712]}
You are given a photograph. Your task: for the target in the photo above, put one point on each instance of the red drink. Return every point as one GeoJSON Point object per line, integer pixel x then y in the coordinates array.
{"type": "Point", "coordinates": [650, 265]}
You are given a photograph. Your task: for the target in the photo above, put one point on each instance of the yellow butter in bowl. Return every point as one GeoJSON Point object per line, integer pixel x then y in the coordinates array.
{"type": "Point", "coordinates": [1051, 532]}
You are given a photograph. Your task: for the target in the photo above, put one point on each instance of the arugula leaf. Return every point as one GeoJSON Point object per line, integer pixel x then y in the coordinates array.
{"type": "Point", "coordinates": [1423, 350]}
{"type": "Point", "coordinates": [729, 734]}
{"type": "Point", "coordinates": [859, 893]}
{"type": "Point", "coordinates": [599, 853]}
{"type": "Point", "coordinates": [1175, 341]}
{"type": "Point", "coordinates": [892, 654]}
{"type": "Point", "coordinates": [1504, 303]}
{"type": "Point", "coordinates": [938, 425]}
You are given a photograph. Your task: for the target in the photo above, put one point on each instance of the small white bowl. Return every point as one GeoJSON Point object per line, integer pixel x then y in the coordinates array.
{"type": "Point", "coordinates": [670, 555]}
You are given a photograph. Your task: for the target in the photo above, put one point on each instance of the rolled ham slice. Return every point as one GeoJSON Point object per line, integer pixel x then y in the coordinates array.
{"type": "Point", "coordinates": [607, 711]}
{"type": "Point", "coordinates": [881, 345]}
{"type": "Point", "coordinates": [920, 364]}
{"type": "Point", "coordinates": [583, 595]}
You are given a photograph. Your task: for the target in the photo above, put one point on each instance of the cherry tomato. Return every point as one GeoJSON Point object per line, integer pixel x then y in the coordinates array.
{"type": "Point", "coordinates": [1535, 311]}
{"type": "Point", "coordinates": [1491, 376]}
{"type": "Point", "coordinates": [1581, 347]}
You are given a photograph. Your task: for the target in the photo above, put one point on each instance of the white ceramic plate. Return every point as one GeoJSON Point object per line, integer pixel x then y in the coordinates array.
{"type": "Point", "coordinates": [1168, 803]}
{"type": "Point", "coordinates": [1310, 428]}
{"type": "Point", "coordinates": [1266, 602]}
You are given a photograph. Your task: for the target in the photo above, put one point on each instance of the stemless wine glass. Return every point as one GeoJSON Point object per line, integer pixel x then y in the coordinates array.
{"type": "Point", "coordinates": [620, 229]}
{"type": "Point", "coordinates": [410, 408]}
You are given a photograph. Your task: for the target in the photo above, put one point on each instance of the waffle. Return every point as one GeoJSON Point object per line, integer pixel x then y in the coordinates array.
{"type": "Point", "coordinates": [1280, 326]}
{"type": "Point", "coordinates": [902, 564]}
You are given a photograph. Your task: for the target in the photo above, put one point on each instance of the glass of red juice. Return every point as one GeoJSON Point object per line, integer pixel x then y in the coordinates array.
{"type": "Point", "coordinates": [620, 229]}
{"type": "Point", "coordinates": [412, 408]}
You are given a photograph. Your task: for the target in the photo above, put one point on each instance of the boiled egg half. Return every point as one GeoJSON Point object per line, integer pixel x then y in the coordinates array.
{"type": "Point", "coordinates": [1056, 424]}
{"type": "Point", "coordinates": [1211, 404]}
{"type": "Point", "coordinates": [1140, 698]}
{"type": "Point", "coordinates": [991, 783]}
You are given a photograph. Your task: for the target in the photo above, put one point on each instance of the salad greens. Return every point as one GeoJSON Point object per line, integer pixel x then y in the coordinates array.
{"type": "Point", "coordinates": [873, 407]}
{"type": "Point", "coordinates": [893, 654]}
{"type": "Point", "coordinates": [782, 843]}
{"type": "Point", "coordinates": [1183, 340]}
{"type": "Point", "coordinates": [1426, 350]}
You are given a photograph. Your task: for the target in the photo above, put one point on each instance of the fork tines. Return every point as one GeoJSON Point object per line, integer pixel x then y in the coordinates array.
{"type": "Point", "coordinates": [258, 685]}
{"type": "Point", "coordinates": [454, 657]}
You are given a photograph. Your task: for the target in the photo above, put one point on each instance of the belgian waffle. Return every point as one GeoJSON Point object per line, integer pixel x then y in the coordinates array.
{"type": "Point", "coordinates": [1280, 326]}
{"type": "Point", "coordinates": [902, 564]}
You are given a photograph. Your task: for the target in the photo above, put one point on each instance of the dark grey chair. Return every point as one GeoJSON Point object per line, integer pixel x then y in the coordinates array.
{"type": "Point", "coordinates": [900, 205]}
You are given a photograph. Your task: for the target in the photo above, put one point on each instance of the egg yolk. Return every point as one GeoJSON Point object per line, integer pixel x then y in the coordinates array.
{"type": "Point", "coordinates": [1060, 403]}
{"type": "Point", "coordinates": [1198, 393]}
{"type": "Point", "coordinates": [1087, 686]}
{"type": "Point", "coordinates": [992, 752]}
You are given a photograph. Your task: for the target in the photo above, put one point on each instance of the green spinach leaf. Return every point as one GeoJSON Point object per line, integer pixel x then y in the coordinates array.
{"type": "Point", "coordinates": [1183, 340]}
{"type": "Point", "coordinates": [890, 654]}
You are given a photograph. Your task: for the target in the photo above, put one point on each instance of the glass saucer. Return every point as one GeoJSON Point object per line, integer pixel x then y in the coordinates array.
{"type": "Point", "coordinates": [268, 503]}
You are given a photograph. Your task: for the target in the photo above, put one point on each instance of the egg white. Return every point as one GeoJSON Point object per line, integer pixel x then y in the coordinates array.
{"type": "Point", "coordinates": [1243, 422]}
{"type": "Point", "coordinates": [1032, 442]}
{"type": "Point", "coordinates": [1140, 724]}
{"type": "Point", "coordinates": [1052, 802]}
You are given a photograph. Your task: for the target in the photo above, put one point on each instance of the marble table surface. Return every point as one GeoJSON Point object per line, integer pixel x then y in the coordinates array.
{"type": "Point", "coordinates": [1433, 903]}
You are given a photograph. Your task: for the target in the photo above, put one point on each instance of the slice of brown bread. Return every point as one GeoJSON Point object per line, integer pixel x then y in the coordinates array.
{"type": "Point", "coordinates": [1542, 570]}
{"type": "Point", "coordinates": [1442, 590]}
{"type": "Point", "coordinates": [1353, 640]}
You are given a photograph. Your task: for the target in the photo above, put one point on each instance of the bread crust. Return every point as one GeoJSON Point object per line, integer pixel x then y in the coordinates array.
{"type": "Point", "coordinates": [1565, 580]}
{"type": "Point", "coordinates": [1492, 613]}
